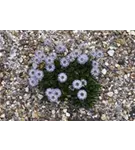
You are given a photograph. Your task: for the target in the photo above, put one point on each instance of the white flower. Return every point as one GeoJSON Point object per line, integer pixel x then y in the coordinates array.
{"type": "Point", "coordinates": [57, 92]}
{"type": "Point", "coordinates": [95, 71]}
{"type": "Point", "coordinates": [32, 72]}
{"type": "Point", "coordinates": [77, 53]}
{"type": "Point", "coordinates": [62, 77]}
{"type": "Point", "coordinates": [64, 62]}
{"type": "Point", "coordinates": [77, 84]}
{"type": "Point", "coordinates": [49, 92]}
{"type": "Point", "coordinates": [53, 98]}
{"type": "Point", "coordinates": [70, 57]}
{"type": "Point", "coordinates": [39, 74]}
{"type": "Point", "coordinates": [82, 94]}
{"type": "Point", "coordinates": [82, 59]}
{"type": "Point", "coordinates": [49, 60]}
{"type": "Point", "coordinates": [50, 68]}
{"type": "Point", "coordinates": [84, 82]}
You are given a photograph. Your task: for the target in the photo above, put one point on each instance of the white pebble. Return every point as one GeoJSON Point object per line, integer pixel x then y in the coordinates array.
{"type": "Point", "coordinates": [68, 114]}
{"type": "Point", "coordinates": [104, 71]}
{"type": "Point", "coordinates": [111, 52]}
{"type": "Point", "coordinates": [106, 63]}
{"type": "Point", "coordinates": [65, 110]}
{"type": "Point", "coordinates": [110, 94]}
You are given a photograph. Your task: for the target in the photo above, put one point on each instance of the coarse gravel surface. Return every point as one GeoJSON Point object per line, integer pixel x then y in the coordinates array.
{"type": "Point", "coordinates": [19, 102]}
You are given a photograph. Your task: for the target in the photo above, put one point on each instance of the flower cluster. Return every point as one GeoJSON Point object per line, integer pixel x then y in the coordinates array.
{"type": "Point", "coordinates": [71, 76]}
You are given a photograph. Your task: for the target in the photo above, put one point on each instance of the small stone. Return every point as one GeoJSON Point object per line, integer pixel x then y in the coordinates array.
{"type": "Point", "coordinates": [2, 116]}
{"type": "Point", "coordinates": [103, 117]}
{"type": "Point", "coordinates": [53, 112]}
{"type": "Point", "coordinates": [27, 89]}
{"type": "Point", "coordinates": [104, 71]}
{"type": "Point", "coordinates": [65, 110]}
{"type": "Point", "coordinates": [106, 63]}
{"type": "Point", "coordinates": [1, 54]}
{"type": "Point", "coordinates": [116, 91]}
{"type": "Point", "coordinates": [110, 94]}
{"type": "Point", "coordinates": [40, 96]}
{"type": "Point", "coordinates": [68, 114]}
{"type": "Point", "coordinates": [111, 52]}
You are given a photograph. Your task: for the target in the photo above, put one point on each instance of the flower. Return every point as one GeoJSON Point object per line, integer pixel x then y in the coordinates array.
{"type": "Point", "coordinates": [84, 82]}
{"type": "Point", "coordinates": [64, 62]}
{"type": "Point", "coordinates": [49, 92]}
{"type": "Point", "coordinates": [53, 55]}
{"type": "Point", "coordinates": [93, 53]}
{"type": "Point", "coordinates": [53, 98]}
{"type": "Point", "coordinates": [70, 57]}
{"type": "Point", "coordinates": [95, 71]}
{"type": "Point", "coordinates": [33, 81]}
{"type": "Point", "coordinates": [36, 59]}
{"type": "Point", "coordinates": [34, 65]}
{"type": "Point", "coordinates": [50, 68]}
{"type": "Point", "coordinates": [77, 53]}
{"type": "Point", "coordinates": [32, 72]}
{"type": "Point", "coordinates": [82, 59]}
{"type": "Point", "coordinates": [49, 60]}
{"type": "Point", "coordinates": [95, 64]}
{"type": "Point", "coordinates": [42, 57]}
{"type": "Point", "coordinates": [39, 74]}
{"type": "Point", "coordinates": [99, 54]}
{"type": "Point", "coordinates": [77, 84]}
{"type": "Point", "coordinates": [57, 92]}
{"type": "Point", "coordinates": [62, 77]}
{"type": "Point", "coordinates": [47, 42]}
{"type": "Point", "coordinates": [60, 48]}
{"type": "Point", "coordinates": [82, 94]}
{"type": "Point", "coordinates": [38, 53]}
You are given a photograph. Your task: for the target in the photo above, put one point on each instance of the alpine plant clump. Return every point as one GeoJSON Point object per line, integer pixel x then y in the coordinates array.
{"type": "Point", "coordinates": [72, 77]}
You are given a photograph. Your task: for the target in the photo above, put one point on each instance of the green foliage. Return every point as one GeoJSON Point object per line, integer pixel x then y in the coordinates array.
{"type": "Point", "coordinates": [74, 71]}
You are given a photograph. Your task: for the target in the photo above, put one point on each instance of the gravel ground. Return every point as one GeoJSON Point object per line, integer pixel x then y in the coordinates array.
{"type": "Point", "coordinates": [20, 102]}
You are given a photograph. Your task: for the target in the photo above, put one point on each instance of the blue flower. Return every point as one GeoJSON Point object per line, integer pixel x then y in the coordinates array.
{"type": "Point", "coordinates": [70, 57]}
{"type": "Point", "coordinates": [53, 98]}
{"type": "Point", "coordinates": [84, 82]}
{"type": "Point", "coordinates": [93, 53]}
{"type": "Point", "coordinates": [47, 42]}
{"type": "Point", "coordinates": [77, 53]}
{"type": "Point", "coordinates": [33, 81]}
{"type": "Point", "coordinates": [82, 94]}
{"type": "Point", "coordinates": [95, 72]}
{"type": "Point", "coordinates": [36, 60]}
{"type": "Point", "coordinates": [49, 92]}
{"type": "Point", "coordinates": [62, 77]}
{"type": "Point", "coordinates": [64, 62]}
{"type": "Point", "coordinates": [57, 92]}
{"type": "Point", "coordinates": [82, 59]}
{"type": "Point", "coordinates": [60, 48]}
{"type": "Point", "coordinates": [50, 68]}
{"type": "Point", "coordinates": [53, 55]}
{"type": "Point", "coordinates": [77, 84]}
{"type": "Point", "coordinates": [95, 64]}
{"type": "Point", "coordinates": [49, 60]}
{"type": "Point", "coordinates": [39, 74]}
{"type": "Point", "coordinates": [99, 54]}
{"type": "Point", "coordinates": [32, 72]}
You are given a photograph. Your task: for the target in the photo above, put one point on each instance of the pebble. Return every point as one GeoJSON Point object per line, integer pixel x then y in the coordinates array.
{"type": "Point", "coordinates": [104, 71]}
{"type": "Point", "coordinates": [116, 91]}
{"type": "Point", "coordinates": [110, 94]}
{"type": "Point", "coordinates": [2, 116]}
{"type": "Point", "coordinates": [53, 112]}
{"type": "Point", "coordinates": [106, 63]}
{"type": "Point", "coordinates": [103, 117]}
{"type": "Point", "coordinates": [40, 96]}
{"type": "Point", "coordinates": [27, 89]}
{"type": "Point", "coordinates": [68, 114]}
{"type": "Point", "coordinates": [111, 52]}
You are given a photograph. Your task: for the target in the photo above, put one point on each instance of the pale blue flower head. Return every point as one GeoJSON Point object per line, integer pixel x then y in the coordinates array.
{"type": "Point", "coordinates": [60, 48]}
{"type": "Point", "coordinates": [50, 68]}
{"type": "Point", "coordinates": [99, 54]}
{"type": "Point", "coordinates": [84, 82]}
{"type": "Point", "coordinates": [77, 84]}
{"type": "Point", "coordinates": [53, 55]}
{"type": "Point", "coordinates": [49, 60]}
{"type": "Point", "coordinates": [82, 59]}
{"type": "Point", "coordinates": [95, 72]}
{"type": "Point", "coordinates": [77, 53]}
{"type": "Point", "coordinates": [47, 42]}
{"type": "Point", "coordinates": [93, 53]}
{"type": "Point", "coordinates": [82, 95]}
{"type": "Point", "coordinates": [64, 62]}
{"type": "Point", "coordinates": [33, 81]}
{"type": "Point", "coordinates": [39, 74]}
{"type": "Point", "coordinates": [49, 92]}
{"type": "Point", "coordinates": [70, 57]}
{"type": "Point", "coordinates": [32, 72]}
{"type": "Point", "coordinates": [57, 92]}
{"type": "Point", "coordinates": [62, 77]}
{"type": "Point", "coordinates": [95, 64]}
